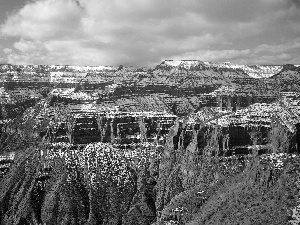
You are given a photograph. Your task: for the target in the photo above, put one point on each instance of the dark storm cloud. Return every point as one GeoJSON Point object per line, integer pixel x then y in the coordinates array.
{"type": "Point", "coordinates": [295, 3]}
{"type": "Point", "coordinates": [143, 32]}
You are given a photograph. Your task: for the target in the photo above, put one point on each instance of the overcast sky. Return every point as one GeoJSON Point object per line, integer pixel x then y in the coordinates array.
{"type": "Point", "coordinates": [145, 32]}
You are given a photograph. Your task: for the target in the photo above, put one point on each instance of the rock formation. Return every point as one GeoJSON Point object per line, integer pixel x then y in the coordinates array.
{"type": "Point", "coordinates": [185, 142]}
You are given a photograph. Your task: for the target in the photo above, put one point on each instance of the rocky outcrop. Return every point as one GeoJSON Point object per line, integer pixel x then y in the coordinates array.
{"type": "Point", "coordinates": [86, 121]}
{"type": "Point", "coordinates": [5, 163]}
{"type": "Point", "coordinates": [189, 179]}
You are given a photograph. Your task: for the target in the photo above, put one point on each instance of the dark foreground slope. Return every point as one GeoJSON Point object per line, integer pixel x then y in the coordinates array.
{"type": "Point", "coordinates": [93, 184]}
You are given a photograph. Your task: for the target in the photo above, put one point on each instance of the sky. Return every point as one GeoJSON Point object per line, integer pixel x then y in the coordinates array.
{"type": "Point", "coordinates": [146, 32]}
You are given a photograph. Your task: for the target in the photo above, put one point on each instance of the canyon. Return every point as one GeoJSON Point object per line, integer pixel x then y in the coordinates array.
{"type": "Point", "coordinates": [183, 142]}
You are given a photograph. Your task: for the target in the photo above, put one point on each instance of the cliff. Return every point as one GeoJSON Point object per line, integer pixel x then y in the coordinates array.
{"type": "Point", "coordinates": [196, 186]}
{"type": "Point", "coordinates": [186, 142]}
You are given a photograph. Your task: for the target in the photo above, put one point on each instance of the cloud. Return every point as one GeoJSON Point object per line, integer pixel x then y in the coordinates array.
{"type": "Point", "coordinates": [262, 54]}
{"type": "Point", "coordinates": [144, 32]}
{"type": "Point", "coordinates": [42, 20]}
{"type": "Point", "coordinates": [7, 50]}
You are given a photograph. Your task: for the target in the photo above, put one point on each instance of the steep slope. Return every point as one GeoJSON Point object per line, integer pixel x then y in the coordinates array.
{"type": "Point", "coordinates": [198, 187]}
{"type": "Point", "coordinates": [288, 79]}
{"type": "Point", "coordinates": [264, 193]}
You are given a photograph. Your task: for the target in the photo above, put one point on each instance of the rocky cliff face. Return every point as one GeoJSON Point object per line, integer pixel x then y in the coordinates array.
{"type": "Point", "coordinates": [183, 181]}
{"type": "Point", "coordinates": [196, 186]}
{"type": "Point", "coordinates": [86, 183]}
{"type": "Point", "coordinates": [186, 142]}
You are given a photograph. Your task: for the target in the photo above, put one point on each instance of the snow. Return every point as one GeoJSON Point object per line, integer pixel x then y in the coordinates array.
{"type": "Point", "coordinates": [172, 63]}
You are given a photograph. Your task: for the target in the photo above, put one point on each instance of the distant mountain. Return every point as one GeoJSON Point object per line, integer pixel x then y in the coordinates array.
{"type": "Point", "coordinates": [166, 67]}
{"type": "Point", "coordinates": [254, 71]}
{"type": "Point", "coordinates": [183, 86]}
